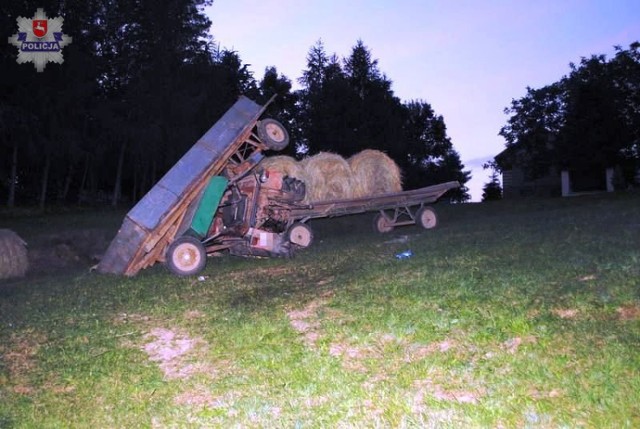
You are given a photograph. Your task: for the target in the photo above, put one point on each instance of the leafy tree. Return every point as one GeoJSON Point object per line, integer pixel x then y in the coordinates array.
{"type": "Point", "coordinates": [431, 157]}
{"type": "Point", "coordinates": [594, 130]}
{"type": "Point", "coordinates": [426, 133]}
{"type": "Point", "coordinates": [535, 124]}
{"type": "Point", "coordinates": [626, 74]}
{"type": "Point", "coordinates": [586, 121]}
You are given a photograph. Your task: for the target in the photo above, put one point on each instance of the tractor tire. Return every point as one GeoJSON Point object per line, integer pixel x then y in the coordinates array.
{"type": "Point", "coordinates": [186, 256]}
{"type": "Point", "coordinates": [300, 234]}
{"type": "Point", "coordinates": [14, 261]}
{"type": "Point", "coordinates": [273, 134]}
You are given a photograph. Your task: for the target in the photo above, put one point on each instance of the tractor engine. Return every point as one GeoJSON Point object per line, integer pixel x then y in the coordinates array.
{"type": "Point", "coordinates": [252, 215]}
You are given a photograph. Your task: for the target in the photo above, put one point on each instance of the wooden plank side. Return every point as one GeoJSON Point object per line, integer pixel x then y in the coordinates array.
{"type": "Point", "coordinates": [217, 144]}
{"type": "Point", "coordinates": [155, 254]}
{"type": "Point", "coordinates": [117, 258]}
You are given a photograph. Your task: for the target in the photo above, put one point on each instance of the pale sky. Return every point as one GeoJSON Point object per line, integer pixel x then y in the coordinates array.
{"type": "Point", "coordinates": [468, 59]}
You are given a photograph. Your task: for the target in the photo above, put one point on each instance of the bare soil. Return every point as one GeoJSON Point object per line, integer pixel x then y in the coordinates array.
{"type": "Point", "coordinates": [64, 250]}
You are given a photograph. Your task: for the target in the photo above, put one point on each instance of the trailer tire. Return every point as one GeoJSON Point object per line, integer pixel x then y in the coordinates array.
{"type": "Point", "coordinates": [426, 218]}
{"type": "Point", "coordinates": [186, 256]}
{"type": "Point", "coordinates": [273, 134]}
{"type": "Point", "coordinates": [382, 224]}
{"type": "Point", "coordinates": [300, 234]}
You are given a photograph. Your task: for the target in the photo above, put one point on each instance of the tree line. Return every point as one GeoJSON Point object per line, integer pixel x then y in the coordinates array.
{"type": "Point", "coordinates": [587, 121]}
{"type": "Point", "coordinates": [143, 80]}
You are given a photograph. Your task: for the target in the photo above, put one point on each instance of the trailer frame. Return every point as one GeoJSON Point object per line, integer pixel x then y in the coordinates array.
{"type": "Point", "coordinates": [405, 206]}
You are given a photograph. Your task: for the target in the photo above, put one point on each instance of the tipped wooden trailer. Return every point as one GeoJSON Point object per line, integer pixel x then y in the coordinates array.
{"type": "Point", "coordinates": [183, 199]}
{"type": "Point", "coordinates": [216, 199]}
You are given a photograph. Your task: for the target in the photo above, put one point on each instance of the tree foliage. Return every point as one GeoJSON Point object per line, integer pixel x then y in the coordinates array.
{"type": "Point", "coordinates": [588, 120]}
{"type": "Point", "coordinates": [492, 190]}
{"type": "Point", "coordinates": [143, 80]}
{"type": "Point", "coordinates": [140, 83]}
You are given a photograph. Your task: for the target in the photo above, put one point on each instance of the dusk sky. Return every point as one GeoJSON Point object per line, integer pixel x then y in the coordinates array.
{"type": "Point", "coordinates": [468, 59]}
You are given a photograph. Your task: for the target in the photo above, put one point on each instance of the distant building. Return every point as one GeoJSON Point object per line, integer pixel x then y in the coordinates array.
{"type": "Point", "coordinates": [555, 182]}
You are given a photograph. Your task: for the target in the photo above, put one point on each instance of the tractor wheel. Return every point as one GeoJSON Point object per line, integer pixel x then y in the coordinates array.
{"type": "Point", "coordinates": [382, 224]}
{"type": "Point", "coordinates": [273, 134]}
{"type": "Point", "coordinates": [426, 218]}
{"type": "Point", "coordinates": [13, 255]}
{"type": "Point", "coordinates": [186, 256]}
{"type": "Point", "coordinates": [300, 234]}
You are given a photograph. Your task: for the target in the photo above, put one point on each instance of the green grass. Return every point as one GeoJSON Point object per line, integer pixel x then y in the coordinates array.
{"type": "Point", "coordinates": [523, 314]}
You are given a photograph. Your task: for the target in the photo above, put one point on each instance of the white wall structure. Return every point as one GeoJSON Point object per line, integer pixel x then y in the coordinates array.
{"type": "Point", "coordinates": [566, 183]}
{"type": "Point", "coordinates": [609, 175]}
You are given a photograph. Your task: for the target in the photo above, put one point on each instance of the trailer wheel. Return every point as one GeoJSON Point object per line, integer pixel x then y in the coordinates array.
{"type": "Point", "coordinates": [382, 224]}
{"type": "Point", "coordinates": [273, 134]}
{"type": "Point", "coordinates": [186, 256]}
{"type": "Point", "coordinates": [300, 234]}
{"type": "Point", "coordinates": [426, 218]}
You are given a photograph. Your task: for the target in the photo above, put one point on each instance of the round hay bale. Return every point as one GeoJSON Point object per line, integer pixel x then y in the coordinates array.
{"type": "Point", "coordinates": [286, 165]}
{"type": "Point", "coordinates": [13, 255]}
{"type": "Point", "coordinates": [374, 173]}
{"type": "Point", "coordinates": [329, 177]}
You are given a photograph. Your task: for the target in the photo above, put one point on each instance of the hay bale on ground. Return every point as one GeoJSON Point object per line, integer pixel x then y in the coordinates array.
{"type": "Point", "coordinates": [13, 255]}
{"type": "Point", "coordinates": [329, 177]}
{"type": "Point", "coordinates": [374, 173]}
{"type": "Point", "coordinates": [286, 165]}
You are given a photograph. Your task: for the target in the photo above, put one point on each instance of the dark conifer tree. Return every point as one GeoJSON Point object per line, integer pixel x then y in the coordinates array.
{"type": "Point", "coordinates": [492, 190]}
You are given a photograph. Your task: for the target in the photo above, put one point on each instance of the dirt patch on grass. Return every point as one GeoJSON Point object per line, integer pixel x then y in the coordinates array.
{"type": "Point", "coordinates": [628, 312]}
{"type": "Point", "coordinates": [182, 356]}
{"type": "Point", "coordinates": [362, 358]}
{"type": "Point", "coordinates": [512, 345]}
{"type": "Point", "coordinates": [306, 321]}
{"type": "Point", "coordinates": [353, 357]}
{"type": "Point", "coordinates": [566, 313]}
{"type": "Point", "coordinates": [429, 388]}
{"type": "Point", "coordinates": [415, 351]}
{"type": "Point", "coordinates": [176, 353]}
{"type": "Point", "coordinates": [19, 357]}
{"type": "Point", "coordinates": [200, 397]}
{"type": "Point", "coordinates": [546, 393]}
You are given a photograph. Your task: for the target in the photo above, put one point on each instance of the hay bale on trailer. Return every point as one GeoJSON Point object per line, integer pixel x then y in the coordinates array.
{"type": "Point", "coordinates": [13, 255]}
{"type": "Point", "coordinates": [328, 177]}
{"type": "Point", "coordinates": [286, 165]}
{"type": "Point", "coordinates": [374, 173]}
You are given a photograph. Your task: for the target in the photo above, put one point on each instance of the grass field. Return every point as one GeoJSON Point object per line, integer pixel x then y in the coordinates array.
{"type": "Point", "coordinates": [521, 315]}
